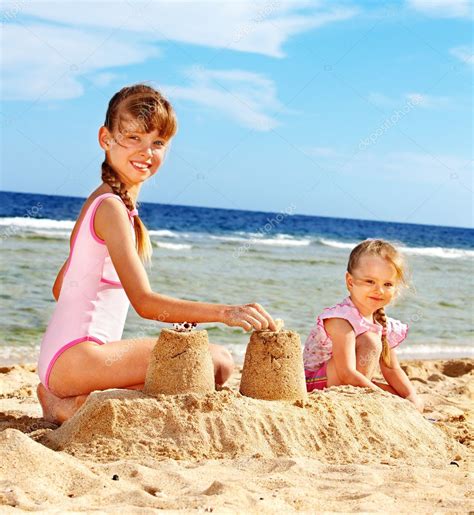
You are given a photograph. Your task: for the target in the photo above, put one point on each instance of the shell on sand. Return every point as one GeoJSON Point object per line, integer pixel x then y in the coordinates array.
{"type": "Point", "coordinates": [180, 363]}
{"type": "Point", "coordinates": [273, 367]}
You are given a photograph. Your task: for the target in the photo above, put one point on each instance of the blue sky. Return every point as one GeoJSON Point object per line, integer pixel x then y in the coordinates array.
{"type": "Point", "coordinates": [346, 109]}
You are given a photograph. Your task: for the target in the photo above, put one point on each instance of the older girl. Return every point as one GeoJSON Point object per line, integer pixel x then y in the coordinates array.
{"type": "Point", "coordinates": [105, 271]}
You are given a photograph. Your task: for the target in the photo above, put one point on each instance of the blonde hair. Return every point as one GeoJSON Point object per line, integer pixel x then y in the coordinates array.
{"type": "Point", "coordinates": [146, 109]}
{"type": "Point", "coordinates": [387, 251]}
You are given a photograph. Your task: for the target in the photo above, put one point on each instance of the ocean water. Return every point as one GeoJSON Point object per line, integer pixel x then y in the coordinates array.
{"type": "Point", "coordinates": [293, 265]}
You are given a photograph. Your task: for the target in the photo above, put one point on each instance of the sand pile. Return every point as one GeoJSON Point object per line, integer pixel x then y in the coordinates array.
{"type": "Point", "coordinates": [13, 379]}
{"type": "Point", "coordinates": [24, 459]}
{"type": "Point", "coordinates": [36, 479]}
{"type": "Point", "coordinates": [273, 367]}
{"type": "Point", "coordinates": [180, 363]}
{"type": "Point", "coordinates": [344, 425]}
{"type": "Point", "coordinates": [44, 478]}
{"type": "Point", "coordinates": [421, 480]}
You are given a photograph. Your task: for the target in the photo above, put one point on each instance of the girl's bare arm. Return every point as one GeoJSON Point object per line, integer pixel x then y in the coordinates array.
{"type": "Point", "coordinates": [112, 224]}
{"type": "Point", "coordinates": [396, 377]}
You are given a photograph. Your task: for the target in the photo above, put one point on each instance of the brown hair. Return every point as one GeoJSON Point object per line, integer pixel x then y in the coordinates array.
{"type": "Point", "coordinates": [387, 251]}
{"type": "Point", "coordinates": [146, 110]}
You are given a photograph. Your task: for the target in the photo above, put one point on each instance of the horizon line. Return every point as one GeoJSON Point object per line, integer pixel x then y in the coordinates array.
{"type": "Point", "coordinates": [260, 211]}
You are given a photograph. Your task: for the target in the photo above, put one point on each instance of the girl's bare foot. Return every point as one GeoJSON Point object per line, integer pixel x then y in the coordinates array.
{"type": "Point", "coordinates": [56, 409]}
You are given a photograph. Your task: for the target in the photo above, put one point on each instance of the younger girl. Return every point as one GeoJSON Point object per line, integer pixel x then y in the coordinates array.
{"type": "Point", "coordinates": [82, 349]}
{"type": "Point", "coordinates": [351, 338]}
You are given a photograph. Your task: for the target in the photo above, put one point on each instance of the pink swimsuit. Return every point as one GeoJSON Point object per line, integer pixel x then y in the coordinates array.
{"type": "Point", "coordinates": [92, 305]}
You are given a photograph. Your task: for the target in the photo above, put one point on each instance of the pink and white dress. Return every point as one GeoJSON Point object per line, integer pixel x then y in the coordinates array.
{"type": "Point", "coordinates": [318, 346]}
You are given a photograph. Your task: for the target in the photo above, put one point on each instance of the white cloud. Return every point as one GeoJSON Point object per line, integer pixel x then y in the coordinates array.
{"type": "Point", "coordinates": [38, 52]}
{"type": "Point", "coordinates": [404, 166]}
{"type": "Point", "coordinates": [428, 101]}
{"type": "Point", "coordinates": [103, 79]}
{"type": "Point", "coordinates": [246, 97]}
{"type": "Point", "coordinates": [416, 99]}
{"type": "Point", "coordinates": [47, 62]}
{"type": "Point", "coordinates": [464, 54]}
{"type": "Point", "coordinates": [246, 26]}
{"type": "Point", "coordinates": [420, 165]}
{"type": "Point", "coordinates": [320, 151]}
{"type": "Point", "coordinates": [443, 8]}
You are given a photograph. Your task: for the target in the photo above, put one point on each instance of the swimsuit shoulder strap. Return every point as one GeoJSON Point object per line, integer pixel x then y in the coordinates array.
{"type": "Point", "coordinates": [131, 213]}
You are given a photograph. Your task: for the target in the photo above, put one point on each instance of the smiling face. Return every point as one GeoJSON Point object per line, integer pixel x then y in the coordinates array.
{"type": "Point", "coordinates": [372, 284]}
{"type": "Point", "coordinates": [133, 154]}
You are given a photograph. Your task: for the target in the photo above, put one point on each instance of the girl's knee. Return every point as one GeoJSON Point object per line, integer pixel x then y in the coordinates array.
{"type": "Point", "coordinates": [369, 342]}
{"type": "Point", "coordinates": [226, 360]}
{"type": "Point", "coordinates": [368, 351]}
{"type": "Point", "coordinates": [223, 365]}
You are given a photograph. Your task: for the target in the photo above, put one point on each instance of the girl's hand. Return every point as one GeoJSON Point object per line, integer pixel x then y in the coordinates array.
{"type": "Point", "coordinates": [419, 404]}
{"type": "Point", "coordinates": [248, 316]}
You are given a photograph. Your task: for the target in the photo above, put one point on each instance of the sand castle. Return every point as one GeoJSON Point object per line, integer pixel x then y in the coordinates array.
{"type": "Point", "coordinates": [273, 366]}
{"type": "Point", "coordinates": [180, 363]}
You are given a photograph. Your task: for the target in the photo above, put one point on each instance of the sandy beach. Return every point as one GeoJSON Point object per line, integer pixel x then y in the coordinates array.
{"type": "Point", "coordinates": [344, 449]}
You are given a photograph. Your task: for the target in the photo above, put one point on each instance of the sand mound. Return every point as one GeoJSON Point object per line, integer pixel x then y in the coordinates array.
{"type": "Point", "coordinates": [25, 460]}
{"type": "Point", "coordinates": [343, 424]}
{"type": "Point", "coordinates": [33, 478]}
{"type": "Point", "coordinates": [457, 367]}
{"type": "Point", "coordinates": [424, 371]}
{"type": "Point", "coordinates": [12, 381]}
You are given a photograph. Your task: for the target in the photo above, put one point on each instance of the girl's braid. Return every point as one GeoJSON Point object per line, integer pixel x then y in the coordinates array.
{"type": "Point", "coordinates": [381, 318]}
{"type": "Point", "coordinates": [118, 187]}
